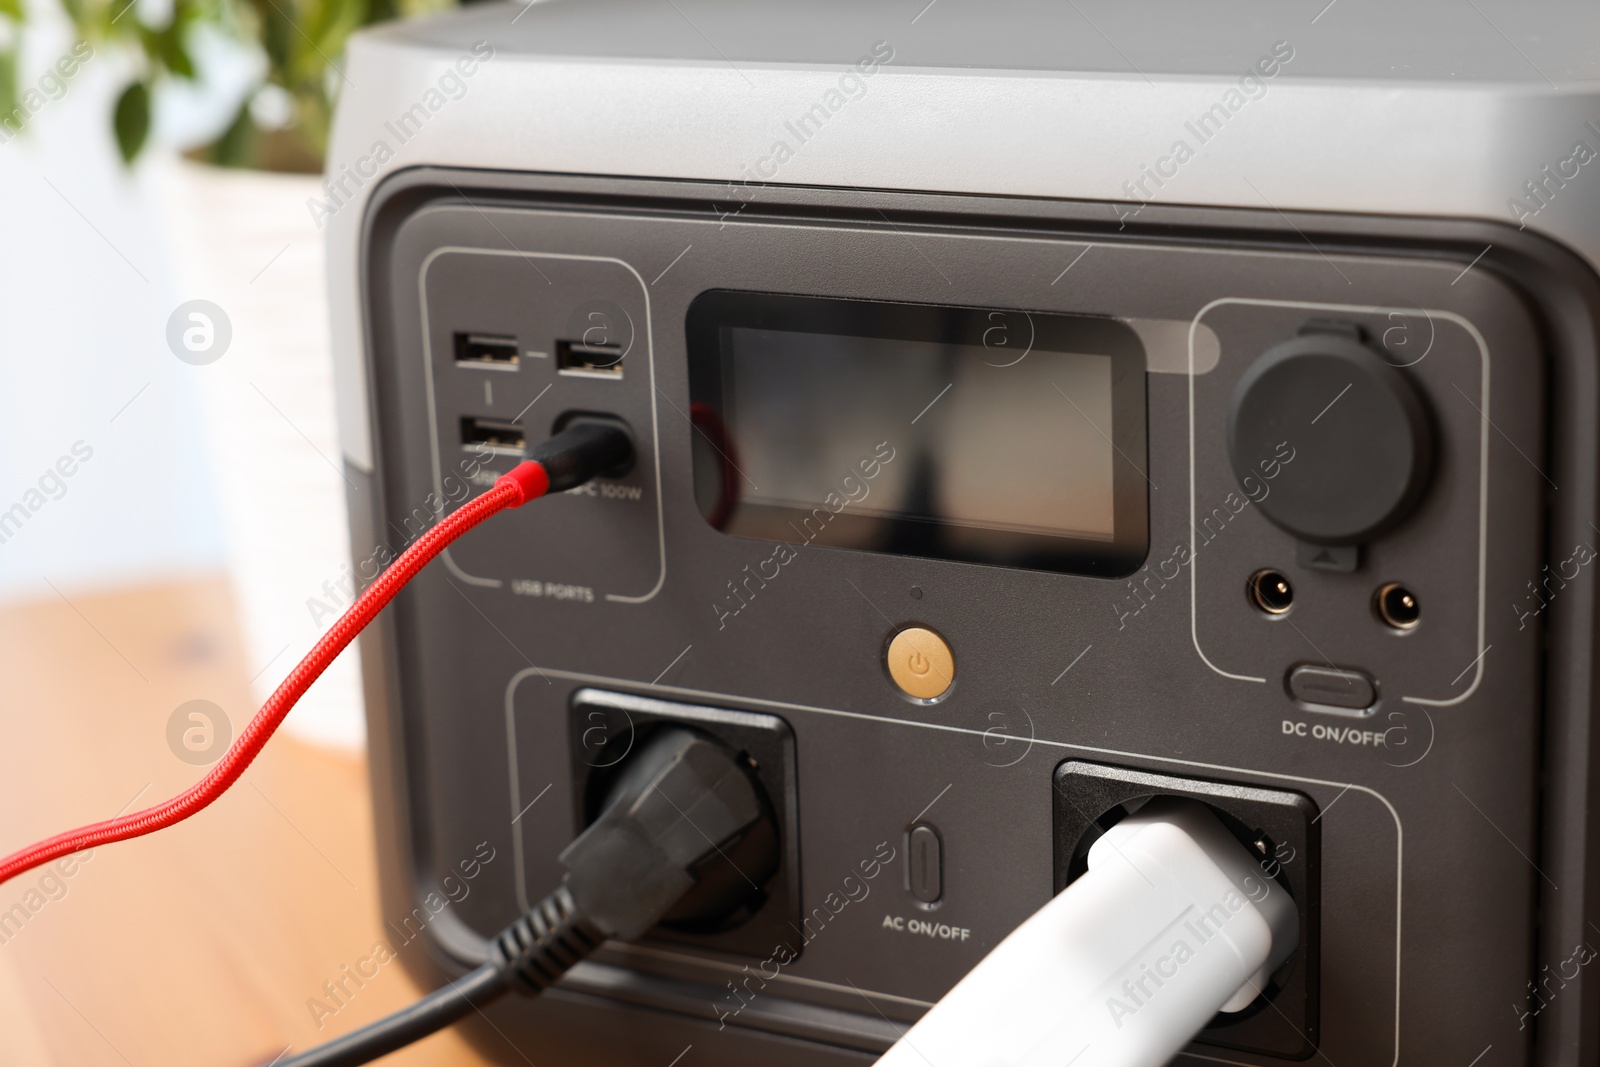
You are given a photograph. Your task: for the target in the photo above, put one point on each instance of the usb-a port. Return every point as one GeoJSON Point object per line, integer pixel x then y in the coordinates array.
{"type": "Point", "coordinates": [489, 351]}
{"type": "Point", "coordinates": [589, 361]}
{"type": "Point", "coordinates": [492, 437]}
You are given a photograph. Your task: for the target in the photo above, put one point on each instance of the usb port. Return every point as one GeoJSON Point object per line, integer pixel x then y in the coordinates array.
{"type": "Point", "coordinates": [489, 351]}
{"type": "Point", "coordinates": [492, 437]}
{"type": "Point", "coordinates": [589, 361]}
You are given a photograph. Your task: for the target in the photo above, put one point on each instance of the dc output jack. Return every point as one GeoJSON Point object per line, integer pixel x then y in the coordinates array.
{"type": "Point", "coordinates": [1397, 607]}
{"type": "Point", "coordinates": [1270, 592]}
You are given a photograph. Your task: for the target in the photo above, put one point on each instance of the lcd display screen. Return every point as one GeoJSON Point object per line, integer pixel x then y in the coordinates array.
{"type": "Point", "coordinates": [988, 436]}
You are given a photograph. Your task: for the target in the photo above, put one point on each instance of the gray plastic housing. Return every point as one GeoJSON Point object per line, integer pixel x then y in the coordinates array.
{"type": "Point", "coordinates": [1449, 813]}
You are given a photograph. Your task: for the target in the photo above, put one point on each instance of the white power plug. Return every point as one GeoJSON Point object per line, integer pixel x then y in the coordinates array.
{"type": "Point", "coordinates": [1173, 922]}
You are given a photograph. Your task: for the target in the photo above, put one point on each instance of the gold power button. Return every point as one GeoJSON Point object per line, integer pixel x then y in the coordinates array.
{"type": "Point", "coordinates": [921, 664]}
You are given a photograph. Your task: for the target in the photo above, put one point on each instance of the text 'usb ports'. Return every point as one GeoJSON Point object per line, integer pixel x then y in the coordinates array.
{"type": "Point", "coordinates": [487, 351]}
{"type": "Point", "coordinates": [492, 437]}
{"type": "Point", "coordinates": [588, 360]}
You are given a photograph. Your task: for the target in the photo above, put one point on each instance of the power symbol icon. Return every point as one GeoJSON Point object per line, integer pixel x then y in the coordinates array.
{"type": "Point", "coordinates": [920, 663]}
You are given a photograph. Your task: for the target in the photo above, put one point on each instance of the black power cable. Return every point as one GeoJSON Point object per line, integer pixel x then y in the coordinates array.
{"type": "Point", "coordinates": [685, 797]}
{"type": "Point", "coordinates": [429, 1015]}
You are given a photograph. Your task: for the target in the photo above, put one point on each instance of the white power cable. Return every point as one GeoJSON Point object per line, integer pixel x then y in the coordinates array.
{"type": "Point", "coordinates": [1173, 922]}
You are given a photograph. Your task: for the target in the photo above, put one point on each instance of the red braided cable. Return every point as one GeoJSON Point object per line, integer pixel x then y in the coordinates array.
{"type": "Point", "coordinates": [525, 482]}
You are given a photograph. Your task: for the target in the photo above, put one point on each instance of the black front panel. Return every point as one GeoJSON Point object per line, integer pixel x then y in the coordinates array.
{"type": "Point", "coordinates": [1381, 679]}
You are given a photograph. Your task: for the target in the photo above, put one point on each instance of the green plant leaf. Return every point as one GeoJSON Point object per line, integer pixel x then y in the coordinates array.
{"type": "Point", "coordinates": [8, 92]}
{"type": "Point", "coordinates": [166, 46]}
{"type": "Point", "coordinates": [303, 42]}
{"type": "Point", "coordinates": [131, 120]}
{"type": "Point", "coordinates": [12, 9]}
{"type": "Point", "coordinates": [274, 31]}
{"type": "Point", "coordinates": [341, 19]}
{"type": "Point", "coordinates": [236, 146]}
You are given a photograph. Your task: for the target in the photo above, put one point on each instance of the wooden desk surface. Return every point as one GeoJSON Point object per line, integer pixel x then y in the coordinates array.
{"type": "Point", "coordinates": [205, 943]}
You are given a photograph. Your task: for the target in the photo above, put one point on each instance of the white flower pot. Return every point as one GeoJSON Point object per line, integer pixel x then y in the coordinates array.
{"type": "Point", "coordinates": [244, 241]}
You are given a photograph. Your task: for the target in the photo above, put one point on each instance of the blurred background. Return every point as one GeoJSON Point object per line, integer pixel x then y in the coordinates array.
{"type": "Point", "coordinates": [172, 534]}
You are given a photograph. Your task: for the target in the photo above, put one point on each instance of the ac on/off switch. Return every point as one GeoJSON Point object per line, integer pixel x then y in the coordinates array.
{"type": "Point", "coordinates": [921, 664]}
{"type": "Point", "coordinates": [925, 864]}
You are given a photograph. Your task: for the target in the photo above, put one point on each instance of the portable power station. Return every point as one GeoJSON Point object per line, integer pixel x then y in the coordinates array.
{"type": "Point", "coordinates": [1036, 409]}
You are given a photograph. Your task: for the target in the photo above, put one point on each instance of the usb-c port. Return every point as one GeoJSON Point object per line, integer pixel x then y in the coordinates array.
{"type": "Point", "coordinates": [492, 437]}
{"type": "Point", "coordinates": [488, 351]}
{"type": "Point", "coordinates": [589, 361]}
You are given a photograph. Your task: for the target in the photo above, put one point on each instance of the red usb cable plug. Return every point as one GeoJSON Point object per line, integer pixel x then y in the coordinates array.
{"type": "Point", "coordinates": [566, 460]}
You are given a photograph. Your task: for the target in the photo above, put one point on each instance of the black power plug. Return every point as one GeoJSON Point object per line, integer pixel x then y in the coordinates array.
{"type": "Point", "coordinates": [747, 897]}
{"type": "Point", "coordinates": [683, 801]}
{"type": "Point", "coordinates": [668, 845]}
